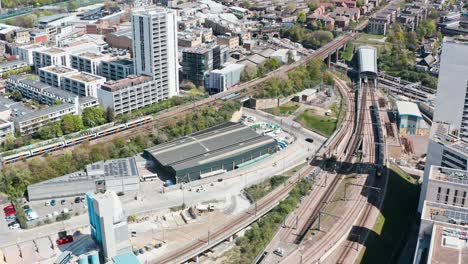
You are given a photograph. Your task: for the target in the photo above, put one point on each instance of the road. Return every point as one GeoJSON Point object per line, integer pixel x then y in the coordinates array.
{"type": "Point", "coordinates": [293, 155]}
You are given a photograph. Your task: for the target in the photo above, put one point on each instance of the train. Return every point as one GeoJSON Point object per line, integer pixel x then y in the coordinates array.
{"type": "Point", "coordinates": [90, 135]}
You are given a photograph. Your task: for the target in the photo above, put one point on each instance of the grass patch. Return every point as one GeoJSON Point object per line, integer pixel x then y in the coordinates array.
{"type": "Point", "coordinates": [324, 125]}
{"type": "Point", "coordinates": [257, 191]}
{"type": "Point", "coordinates": [262, 231]}
{"type": "Point", "coordinates": [283, 110]}
{"type": "Point", "coordinates": [387, 239]}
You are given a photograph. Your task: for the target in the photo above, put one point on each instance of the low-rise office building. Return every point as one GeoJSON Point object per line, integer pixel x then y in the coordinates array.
{"type": "Point", "coordinates": [118, 175]}
{"type": "Point", "coordinates": [196, 62]}
{"type": "Point", "coordinates": [221, 80]}
{"type": "Point", "coordinates": [131, 93]}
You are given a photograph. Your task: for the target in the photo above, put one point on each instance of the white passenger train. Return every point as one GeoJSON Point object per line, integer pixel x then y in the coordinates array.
{"type": "Point", "coordinates": [73, 141]}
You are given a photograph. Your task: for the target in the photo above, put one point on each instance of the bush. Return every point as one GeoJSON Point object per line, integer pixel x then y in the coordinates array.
{"type": "Point", "coordinates": [132, 218]}
{"type": "Point", "coordinates": [47, 221]}
{"type": "Point", "coordinates": [63, 217]}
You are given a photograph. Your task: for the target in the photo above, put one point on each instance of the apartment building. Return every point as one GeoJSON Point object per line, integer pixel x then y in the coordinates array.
{"type": "Point", "coordinates": [155, 52]}
{"type": "Point", "coordinates": [116, 68]}
{"type": "Point", "coordinates": [132, 93]}
{"type": "Point", "coordinates": [444, 216]}
{"type": "Point", "coordinates": [82, 84]}
{"type": "Point", "coordinates": [25, 53]}
{"type": "Point", "coordinates": [32, 122]}
{"type": "Point", "coordinates": [87, 62]}
{"type": "Point", "coordinates": [54, 74]}
{"type": "Point", "coordinates": [45, 93]}
{"type": "Point", "coordinates": [12, 65]}
{"type": "Point", "coordinates": [50, 56]}
{"type": "Point", "coordinates": [379, 24]}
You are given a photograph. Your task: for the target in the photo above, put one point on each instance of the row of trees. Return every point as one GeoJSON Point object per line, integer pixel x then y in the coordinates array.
{"type": "Point", "coordinates": [308, 38]}
{"type": "Point", "coordinates": [17, 71]}
{"type": "Point", "coordinates": [15, 178]}
{"type": "Point", "coordinates": [91, 117]}
{"type": "Point", "coordinates": [261, 232]}
{"type": "Point", "coordinates": [261, 70]}
{"type": "Point", "coordinates": [304, 76]}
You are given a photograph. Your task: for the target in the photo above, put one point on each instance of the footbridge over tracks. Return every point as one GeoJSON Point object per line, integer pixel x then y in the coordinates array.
{"type": "Point", "coordinates": [367, 63]}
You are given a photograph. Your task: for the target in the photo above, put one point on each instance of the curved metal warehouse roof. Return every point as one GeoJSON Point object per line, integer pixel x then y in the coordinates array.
{"type": "Point", "coordinates": [408, 109]}
{"type": "Point", "coordinates": [367, 59]}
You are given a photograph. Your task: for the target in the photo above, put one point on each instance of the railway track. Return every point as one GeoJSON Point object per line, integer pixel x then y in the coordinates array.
{"type": "Point", "coordinates": [348, 157]}
{"type": "Point", "coordinates": [236, 223]}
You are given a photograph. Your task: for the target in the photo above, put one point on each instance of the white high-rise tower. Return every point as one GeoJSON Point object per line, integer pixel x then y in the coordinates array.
{"type": "Point", "coordinates": [155, 47]}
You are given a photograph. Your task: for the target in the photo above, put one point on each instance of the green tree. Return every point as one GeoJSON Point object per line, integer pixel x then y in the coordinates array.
{"type": "Point", "coordinates": [72, 6]}
{"type": "Point", "coordinates": [301, 17]}
{"type": "Point", "coordinates": [16, 96]}
{"type": "Point", "coordinates": [110, 114]}
{"type": "Point", "coordinates": [359, 3]}
{"type": "Point", "coordinates": [71, 123]}
{"type": "Point", "coordinates": [93, 116]}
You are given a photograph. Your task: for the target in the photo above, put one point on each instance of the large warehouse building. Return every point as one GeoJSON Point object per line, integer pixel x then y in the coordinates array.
{"type": "Point", "coordinates": [215, 150]}
{"type": "Point", "coordinates": [119, 175]}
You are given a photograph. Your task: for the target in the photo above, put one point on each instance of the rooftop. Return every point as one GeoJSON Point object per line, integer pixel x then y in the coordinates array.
{"type": "Point", "coordinates": [229, 67]}
{"type": "Point", "coordinates": [12, 63]}
{"type": "Point", "coordinates": [367, 59]}
{"type": "Point", "coordinates": [408, 109]}
{"type": "Point", "coordinates": [117, 168]}
{"type": "Point", "coordinates": [58, 69]}
{"type": "Point", "coordinates": [43, 112]}
{"type": "Point", "coordinates": [448, 245]}
{"type": "Point", "coordinates": [85, 77]}
{"type": "Point", "coordinates": [449, 175]}
{"type": "Point", "coordinates": [51, 18]}
{"type": "Point", "coordinates": [92, 55]}
{"type": "Point", "coordinates": [131, 80]}
{"type": "Point", "coordinates": [53, 51]}
{"type": "Point", "coordinates": [219, 142]}
{"type": "Point", "coordinates": [440, 133]}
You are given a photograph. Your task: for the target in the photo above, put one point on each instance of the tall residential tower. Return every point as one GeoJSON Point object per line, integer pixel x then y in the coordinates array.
{"type": "Point", "coordinates": [448, 142]}
{"type": "Point", "coordinates": [155, 47]}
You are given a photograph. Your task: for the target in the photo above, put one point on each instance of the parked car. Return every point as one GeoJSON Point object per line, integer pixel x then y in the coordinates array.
{"type": "Point", "coordinates": [63, 202]}
{"type": "Point", "coordinates": [200, 189]}
{"type": "Point", "coordinates": [10, 212]}
{"type": "Point", "coordinates": [310, 140]}
{"type": "Point", "coordinates": [27, 211]}
{"type": "Point", "coordinates": [77, 200]}
{"type": "Point", "coordinates": [47, 203]}
{"type": "Point", "coordinates": [279, 252]}
{"type": "Point", "coordinates": [8, 207]}
{"type": "Point", "coordinates": [53, 202]}
{"type": "Point", "coordinates": [65, 240]}
{"type": "Point", "coordinates": [26, 207]}
{"type": "Point", "coordinates": [10, 217]}
{"type": "Point", "coordinates": [82, 199]}
{"type": "Point", "coordinates": [32, 216]}
{"type": "Point", "coordinates": [13, 225]}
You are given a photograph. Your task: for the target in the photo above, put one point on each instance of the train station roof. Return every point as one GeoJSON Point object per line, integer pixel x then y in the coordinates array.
{"type": "Point", "coordinates": [367, 57]}
{"type": "Point", "coordinates": [216, 143]}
